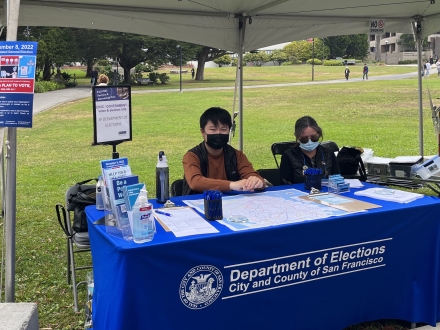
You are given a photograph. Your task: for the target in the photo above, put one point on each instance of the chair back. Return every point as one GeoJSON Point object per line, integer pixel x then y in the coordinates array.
{"type": "Point", "coordinates": [177, 188]}
{"type": "Point", "coordinates": [330, 145]}
{"type": "Point", "coordinates": [278, 148]}
{"type": "Point", "coordinates": [272, 175]}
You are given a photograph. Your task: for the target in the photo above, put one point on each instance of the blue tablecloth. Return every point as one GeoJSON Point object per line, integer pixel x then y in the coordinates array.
{"type": "Point", "coordinates": [319, 274]}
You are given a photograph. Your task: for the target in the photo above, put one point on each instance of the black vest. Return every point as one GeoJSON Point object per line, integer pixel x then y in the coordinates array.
{"type": "Point", "coordinates": [230, 157]}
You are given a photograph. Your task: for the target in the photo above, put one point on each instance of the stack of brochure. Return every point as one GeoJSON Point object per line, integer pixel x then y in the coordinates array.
{"type": "Point", "coordinates": [390, 195]}
{"type": "Point", "coordinates": [122, 188]}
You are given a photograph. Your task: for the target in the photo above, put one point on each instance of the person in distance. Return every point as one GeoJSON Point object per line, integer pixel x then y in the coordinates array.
{"type": "Point", "coordinates": [307, 153]}
{"type": "Point", "coordinates": [213, 164]}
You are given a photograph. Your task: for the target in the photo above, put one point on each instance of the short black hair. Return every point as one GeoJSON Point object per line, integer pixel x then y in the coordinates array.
{"type": "Point", "coordinates": [216, 115]}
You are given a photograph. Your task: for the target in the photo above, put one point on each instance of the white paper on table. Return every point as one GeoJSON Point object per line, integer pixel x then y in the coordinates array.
{"type": "Point", "coordinates": [185, 221]}
{"type": "Point", "coordinates": [390, 195]}
{"type": "Point", "coordinates": [354, 183]}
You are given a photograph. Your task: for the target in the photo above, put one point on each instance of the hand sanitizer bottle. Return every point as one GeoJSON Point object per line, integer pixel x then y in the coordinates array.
{"type": "Point", "coordinates": [99, 191]}
{"type": "Point", "coordinates": [143, 219]}
{"type": "Point", "coordinates": [162, 179]}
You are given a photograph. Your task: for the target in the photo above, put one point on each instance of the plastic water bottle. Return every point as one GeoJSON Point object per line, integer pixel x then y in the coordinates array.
{"type": "Point", "coordinates": [162, 179]}
{"type": "Point", "coordinates": [143, 220]}
{"type": "Point", "coordinates": [99, 191]}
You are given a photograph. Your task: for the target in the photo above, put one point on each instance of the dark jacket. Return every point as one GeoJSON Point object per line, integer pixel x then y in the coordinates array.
{"type": "Point", "coordinates": [293, 162]}
{"type": "Point", "coordinates": [231, 167]}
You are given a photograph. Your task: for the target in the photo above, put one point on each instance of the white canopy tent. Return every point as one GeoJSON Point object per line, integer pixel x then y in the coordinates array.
{"type": "Point", "coordinates": [234, 25]}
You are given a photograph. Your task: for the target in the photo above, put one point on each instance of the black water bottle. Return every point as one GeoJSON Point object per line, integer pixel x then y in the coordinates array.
{"type": "Point", "coordinates": [162, 179]}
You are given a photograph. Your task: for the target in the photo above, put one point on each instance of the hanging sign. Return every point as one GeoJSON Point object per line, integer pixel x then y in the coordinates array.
{"type": "Point", "coordinates": [377, 26]}
{"type": "Point", "coordinates": [17, 76]}
{"type": "Point", "coordinates": [112, 114]}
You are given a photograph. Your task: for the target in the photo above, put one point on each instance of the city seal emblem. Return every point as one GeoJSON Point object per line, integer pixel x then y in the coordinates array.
{"type": "Point", "coordinates": [201, 286]}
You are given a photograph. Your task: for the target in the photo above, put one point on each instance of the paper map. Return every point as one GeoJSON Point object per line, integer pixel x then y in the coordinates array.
{"type": "Point", "coordinates": [269, 208]}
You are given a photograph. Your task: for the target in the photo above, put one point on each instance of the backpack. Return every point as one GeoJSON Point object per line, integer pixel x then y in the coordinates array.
{"type": "Point", "coordinates": [81, 195]}
{"type": "Point", "coordinates": [350, 162]}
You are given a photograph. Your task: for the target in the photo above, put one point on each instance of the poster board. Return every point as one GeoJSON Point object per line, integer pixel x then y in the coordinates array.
{"type": "Point", "coordinates": [112, 122]}
{"type": "Point", "coordinates": [17, 78]}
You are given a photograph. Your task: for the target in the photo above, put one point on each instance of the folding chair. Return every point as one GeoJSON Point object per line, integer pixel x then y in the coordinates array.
{"type": "Point", "coordinates": [77, 242]}
{"type": "Point", "coordinates": [330, 145]}
{"type": "Point", "coordinates": [272, 175]}
{"type": "Point", "coordinates": [278, 148]}
{"type": "Point", "coordinates": [177, 188]}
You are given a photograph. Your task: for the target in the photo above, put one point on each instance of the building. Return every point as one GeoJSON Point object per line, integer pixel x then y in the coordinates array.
{"type": "Point", "coordinates": [386, 48]}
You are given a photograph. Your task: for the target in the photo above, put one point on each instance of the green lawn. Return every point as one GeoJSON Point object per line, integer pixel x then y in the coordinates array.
{"type": "Point", "coordinates": [225, 76]}
{"type": "Point", "coordinates": [56, 153]}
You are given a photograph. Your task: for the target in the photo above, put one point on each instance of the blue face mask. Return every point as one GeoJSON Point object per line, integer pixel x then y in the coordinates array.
{"type": "Point", "coordinates": [309, 146]}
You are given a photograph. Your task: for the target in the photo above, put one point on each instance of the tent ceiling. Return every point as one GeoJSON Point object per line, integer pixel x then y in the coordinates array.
{"type": "Point", "coordinates": [215, 23]}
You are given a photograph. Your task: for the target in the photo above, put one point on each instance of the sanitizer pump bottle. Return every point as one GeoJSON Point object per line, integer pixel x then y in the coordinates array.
{"type": "Point", "coordinates": [143, 219]}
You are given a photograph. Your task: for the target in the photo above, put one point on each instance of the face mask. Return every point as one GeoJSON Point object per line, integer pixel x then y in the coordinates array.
{"type": "Point", "coordinates": [309, 146]}
{"type": "Point", "coordinates": [217, 141]}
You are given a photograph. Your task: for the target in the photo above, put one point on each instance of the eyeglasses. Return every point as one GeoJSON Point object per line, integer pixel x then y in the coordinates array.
{"type": "Point", "coordinates": [305, 139]}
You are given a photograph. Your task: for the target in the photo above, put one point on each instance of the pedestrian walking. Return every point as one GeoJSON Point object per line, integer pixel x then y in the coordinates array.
{"type": "Point", "coordinates": [428, 67]}
{"type": "Point", "coordinates": [365, 72]}
{"type": "Point", "coordinates": [347, 72]}
{"type": "Point", "coordinates": [192, 73]}
{"type": "Point", "coordinates": [437, 64]}
{"type": "Point", "coordinates": [431, 60]}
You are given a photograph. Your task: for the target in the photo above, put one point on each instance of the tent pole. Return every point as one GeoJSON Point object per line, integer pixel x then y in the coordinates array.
{"type": "Point", "coordinates": [241, 30]}
{"type": "Point", "coordinates": [418, 36]}
{"type": "Point", "coordinates": [10, 219]}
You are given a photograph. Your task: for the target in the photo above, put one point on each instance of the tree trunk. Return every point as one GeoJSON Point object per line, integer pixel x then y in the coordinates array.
{"type": "Point", "coordinates": [47, 70]}
{"type": "Point", "coordinates": [200, 74]}
{"type": "Point", "coordinates": [126, 75]}
{"type": "Point", "coordinates": [90, 63]}
{"type": "Point", "coordinates": [378, 50]}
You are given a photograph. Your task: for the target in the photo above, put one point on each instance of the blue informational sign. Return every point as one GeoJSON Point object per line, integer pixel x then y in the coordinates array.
{"type": "Point", "coordinates": [17, 78]}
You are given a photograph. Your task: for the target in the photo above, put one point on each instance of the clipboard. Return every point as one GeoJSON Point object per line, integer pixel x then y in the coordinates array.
{"type": "Point", "coordinates": [340, 202]}
{"type": "Point", "coordinates": [164, 226]}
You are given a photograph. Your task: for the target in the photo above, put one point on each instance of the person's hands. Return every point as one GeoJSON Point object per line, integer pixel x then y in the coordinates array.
{"type": "Point", "coordinates": [249, 184]}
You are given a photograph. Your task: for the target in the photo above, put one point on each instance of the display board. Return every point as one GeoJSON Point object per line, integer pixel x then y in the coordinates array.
{"type": "Point", "coordinates": [17, 76]}
{"type": "Point", "coordinates": [112, 114]}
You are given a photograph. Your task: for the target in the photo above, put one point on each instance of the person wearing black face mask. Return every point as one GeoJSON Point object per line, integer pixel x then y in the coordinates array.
{"type": "Point", "coordinates": [214, 164]}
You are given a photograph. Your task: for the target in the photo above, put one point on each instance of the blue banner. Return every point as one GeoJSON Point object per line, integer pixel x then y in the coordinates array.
{"type": "Point", "coordinates": [17, 78]}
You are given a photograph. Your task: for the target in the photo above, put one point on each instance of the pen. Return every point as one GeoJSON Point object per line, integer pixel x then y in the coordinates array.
{"type": "Point", "coordinates": [164, 213]}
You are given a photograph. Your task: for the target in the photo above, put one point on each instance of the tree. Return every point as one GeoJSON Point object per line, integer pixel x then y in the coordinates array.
{"type": "Point", "coordinates": [55, 48]}
{"type": "Point", "coordinates": [224, 60]}
{"type": "Point", "coordinates": [205, 54]}
{"type": "Point", "coordinates": [91, 46]}
{"type": "Point", "coordinates": [257, 59]}
{"type": "Point", "coordinates": [278, 56]}
{"type": "Point", "coordinates": [409, 44]}
{"type": "Point", "coordinates": [298, 50]}
{"type": "Point", "coordinates": [355, 45]}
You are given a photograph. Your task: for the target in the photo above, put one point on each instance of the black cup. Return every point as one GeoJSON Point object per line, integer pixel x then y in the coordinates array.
{"type": "Point", "coordinates": [213, 209]}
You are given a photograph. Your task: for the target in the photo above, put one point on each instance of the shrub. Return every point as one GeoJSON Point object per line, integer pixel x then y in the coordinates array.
{"type": "Point", "coordinates": [142, 68]}
{"type": "Point", "coordinates": [407, 62]}
{"type": "Point", "coordinates": [47, 86]}
{"type": "Point", "coordinates": [234, 61]}
{"type": "Point", "coordinates": [164, 78]}
{"type": "Point", "coordinates": [154, 77]}
{"type": "Point", "coordinates": [317, 61]}
{"type": "Point", "coordinates": [332, 63]}
{"type": "Point", "coordinates": [70, 84]}
{"type": "Point", "coordinates": [103, 62]}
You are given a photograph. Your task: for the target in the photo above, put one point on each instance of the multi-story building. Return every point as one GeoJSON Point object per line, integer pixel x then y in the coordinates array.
{"type": "Point", "coordinates": [386, 48]}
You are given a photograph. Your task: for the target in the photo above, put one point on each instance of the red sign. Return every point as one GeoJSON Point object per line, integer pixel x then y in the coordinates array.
{"type": "Point", "coordinates": [16, 85]}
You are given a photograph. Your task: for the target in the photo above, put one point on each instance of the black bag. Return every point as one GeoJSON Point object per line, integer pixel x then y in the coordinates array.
{"type": "Point", "coordinates": [350, 162]}
{"type": "Point", "coordinates": [83, 195]}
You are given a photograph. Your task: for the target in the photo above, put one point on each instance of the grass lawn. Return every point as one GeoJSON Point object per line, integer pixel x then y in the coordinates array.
{"type": "Point", "coordinates": [225, 76]}
{"type": "Point", "coordinates": [56, 153]}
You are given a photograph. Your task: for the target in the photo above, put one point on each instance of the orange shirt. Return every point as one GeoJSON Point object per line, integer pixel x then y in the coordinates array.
{"type": "Point", "coordinates": [216, 179]}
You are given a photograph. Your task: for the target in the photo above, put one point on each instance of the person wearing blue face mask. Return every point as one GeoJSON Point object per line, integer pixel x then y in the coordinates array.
{"type": "Point", "coordinates": [213, 164]}
{"type": "Point", "coordinates": [307, 153]}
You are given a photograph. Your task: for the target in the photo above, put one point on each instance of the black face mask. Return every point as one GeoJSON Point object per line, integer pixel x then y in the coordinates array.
{"type": "Point", "coordinates": [217, 141]}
